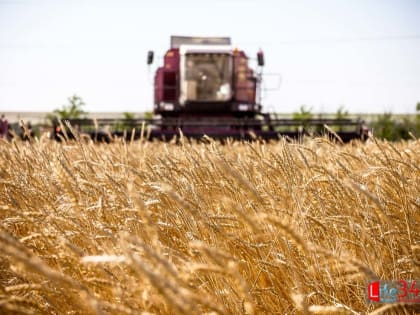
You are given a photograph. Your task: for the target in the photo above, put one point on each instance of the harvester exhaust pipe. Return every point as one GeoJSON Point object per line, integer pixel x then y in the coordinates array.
{"type": "Point", "coordinates": [260, 58]}
{"type": "Point", "coordinates": [150, 57]}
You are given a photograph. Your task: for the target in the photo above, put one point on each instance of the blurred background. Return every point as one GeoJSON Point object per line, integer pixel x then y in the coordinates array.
{"type": "Point", "coordinates": [362, 55]}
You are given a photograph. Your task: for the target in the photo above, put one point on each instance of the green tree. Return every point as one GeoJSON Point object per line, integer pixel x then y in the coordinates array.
{"type": "Point", "coordinates": [341, 113]}
{"type": "Point", "coordinates": [303, 113]}
{"type": "Point", "coordinates": [384, 127]}
{"type": "Point", "coordinates": [127, 122]}
{"type": "Point", "coordinates": [148, 115]}
{"type": "Point", "coordinates": [128, 116]}
{"type": "Point", "coordinates": [72, 110]}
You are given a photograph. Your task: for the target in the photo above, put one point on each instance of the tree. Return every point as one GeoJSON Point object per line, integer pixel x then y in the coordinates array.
{"type": "Point", "coordinates": [387, 127]}
{"type": "Point", "coordinates": [128, 116]}
{"type": "Point", "coordinates": [73, 110]}
{"type": "Point", "coordinates": [127, 122]}
{"type": "Point", "coordinates": [384, 127]}
{"type": "Point", "coordinates": [148, 115]}
{"type": "Point", "coordinates": [341, 113]}
{"type": "Point", "coordinates": [303, 113]}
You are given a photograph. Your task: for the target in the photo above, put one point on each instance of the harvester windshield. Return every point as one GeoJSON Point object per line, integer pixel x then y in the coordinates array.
{"type": "Point", "coordinates": [208, 77]}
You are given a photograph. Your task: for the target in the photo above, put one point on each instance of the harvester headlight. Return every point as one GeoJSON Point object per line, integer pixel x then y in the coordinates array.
{"type": "Point", "coordinates": [224, 92]}
{"type": "Point", "coordinates": [243, 107]}
{"type": "Point", "coordinates": [166, 106]}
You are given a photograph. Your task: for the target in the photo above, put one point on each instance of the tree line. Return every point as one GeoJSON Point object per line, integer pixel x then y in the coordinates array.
{"type": "Point", "coordinates": [385, 126]}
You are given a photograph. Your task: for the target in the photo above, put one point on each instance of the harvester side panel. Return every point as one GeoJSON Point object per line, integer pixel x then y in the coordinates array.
{"type": "Point", "coordinates": [244, 80]}
{"type": "Point", "coordinates": [167, 82]}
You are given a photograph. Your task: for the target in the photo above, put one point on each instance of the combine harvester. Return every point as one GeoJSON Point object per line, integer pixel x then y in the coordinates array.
{"type": "Point", "coordinates": [207, 87]}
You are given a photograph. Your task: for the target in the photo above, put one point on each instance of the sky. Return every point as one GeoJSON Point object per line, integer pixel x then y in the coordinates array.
{"type": "Point", "coordinates": [360, 54]}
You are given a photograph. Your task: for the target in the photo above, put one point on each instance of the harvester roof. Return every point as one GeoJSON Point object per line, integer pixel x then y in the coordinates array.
{"type": "Point", "coordinates": [177, 41]}
{"type": "Point", "coordinates": [192, 49]}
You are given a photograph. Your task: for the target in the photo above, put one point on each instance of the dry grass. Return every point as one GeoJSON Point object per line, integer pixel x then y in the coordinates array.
{"type": "Point", "coordinates": [155, 228]}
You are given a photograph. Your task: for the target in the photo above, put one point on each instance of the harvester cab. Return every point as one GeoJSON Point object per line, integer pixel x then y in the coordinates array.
{"type": "Point", "coordinates": [205, 76]}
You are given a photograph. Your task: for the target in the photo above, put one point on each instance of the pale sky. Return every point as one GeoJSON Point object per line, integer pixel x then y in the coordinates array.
{"type": "Point", "coordinates": [363, 54]}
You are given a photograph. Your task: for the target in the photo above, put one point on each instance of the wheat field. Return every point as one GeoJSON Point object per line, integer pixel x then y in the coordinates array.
{"type": "Point", "coordinates": [239, 228]}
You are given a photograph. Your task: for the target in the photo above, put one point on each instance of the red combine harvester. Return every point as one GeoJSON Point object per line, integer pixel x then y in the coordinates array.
{"type": "Point", "coordinates": [207, 87]}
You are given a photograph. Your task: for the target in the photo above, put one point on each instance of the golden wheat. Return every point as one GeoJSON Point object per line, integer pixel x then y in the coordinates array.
{"type": "Point", "coordinates": [194, 228]}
